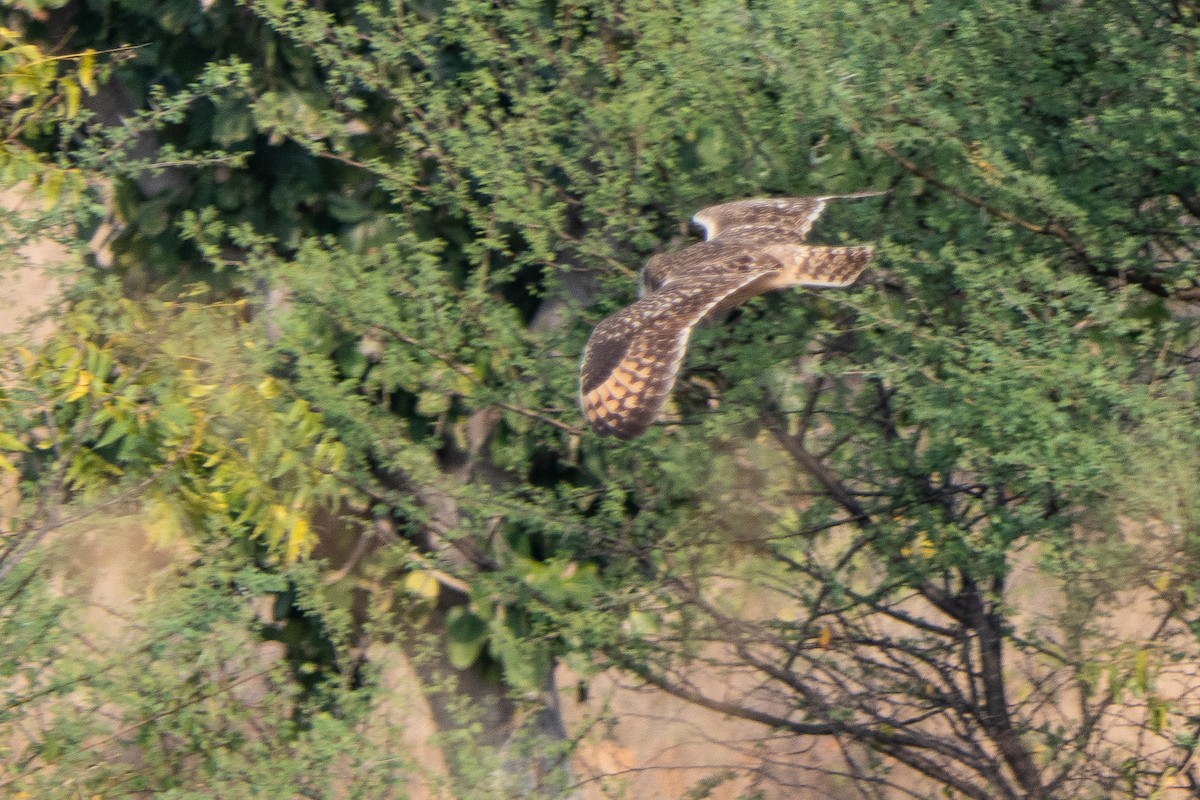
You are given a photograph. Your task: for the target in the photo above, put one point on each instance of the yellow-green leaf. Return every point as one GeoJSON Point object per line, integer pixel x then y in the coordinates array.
{"type": "Point", "coordinates": [1141, 671]}
{"type": "Point", "coordinates": [422, 584]}
{"type": "Point", "coordinates": [466, 635]}
{"type": "Point", "coordinates": [83, 385]}
{"type": "Point", "coordinates": [87, 71]}
{"type": "Point", "coordinates": [268, 388]}
{"type": "Point", "coordinates": [432, 403]}
{"type": "Point", "coordinates": [53, 180]}
{"type": "Point", "coordinates": [10, 442]}
{"type": "Point", "coordinates": [300, 540]}
{"type": "Point", "coordinates": [74, 96]}
{"type": "Point", "coordinates": [165, 526]}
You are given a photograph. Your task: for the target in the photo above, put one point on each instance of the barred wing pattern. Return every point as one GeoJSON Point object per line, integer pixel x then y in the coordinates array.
{"type": "Point", "coordinates": [752, 247]}
{"type": "Point", "coordinates": [785, 217]}
{"type": "Point", "coordinates": [632, 357]}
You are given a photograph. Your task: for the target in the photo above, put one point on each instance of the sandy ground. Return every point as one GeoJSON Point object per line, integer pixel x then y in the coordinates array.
{"type": "Point", "coordinates": [26, 292]}
{"type": "Point", "coordinates": [26, 284]}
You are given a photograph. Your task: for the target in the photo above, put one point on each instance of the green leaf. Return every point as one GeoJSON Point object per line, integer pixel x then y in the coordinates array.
{"type": "Point", "coordinates": [12, 443]}
{"type": "Point", "coordinates": [1141, 671]}
{"type": "Point", "coordinates": [526, 664]}
{"type": "Point", "coordinates": [466, 635]}
{"type": "Point", "coordinates": [114, 431]}
{"type": "Point", "coordinates": [232, 124]}
{"type": "Point", "coordinates": [73, 93]}
{"type": "Point", "coordinates": [432, 403]}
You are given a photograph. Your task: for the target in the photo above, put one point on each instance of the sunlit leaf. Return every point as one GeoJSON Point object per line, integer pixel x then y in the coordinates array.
{"type": "Point", "coordinates": [422, 584]}
{"type": "Point", "coordinates": [87, 71]}
{"type": "Point", "coordinates": [300, 540]}
{"type": "Point", "coordinates": [83, 385]}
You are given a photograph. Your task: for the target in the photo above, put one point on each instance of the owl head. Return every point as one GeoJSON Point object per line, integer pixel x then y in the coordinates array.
{"type": "Point", "coordinates": [646, 278]}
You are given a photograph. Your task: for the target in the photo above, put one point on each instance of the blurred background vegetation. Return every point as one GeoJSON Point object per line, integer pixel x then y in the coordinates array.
{"type": "Point", "coordinates": [326, 273]}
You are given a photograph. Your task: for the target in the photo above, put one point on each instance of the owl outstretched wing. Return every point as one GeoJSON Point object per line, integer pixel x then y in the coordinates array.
{"type": "Point", "coordinates": [741, 224]}
{"type": "Point", "coordinates": [632, 357]}
{"type": "Point", "coordinates": [768, 219]}
{"type": "Point", "coordinates": [778, 219]}
{"type": "Point", "coordinates": [752, 247]}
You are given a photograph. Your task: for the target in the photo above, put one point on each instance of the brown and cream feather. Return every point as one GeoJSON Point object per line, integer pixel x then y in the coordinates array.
{"type": "Point", "coordinates": [752, 246]}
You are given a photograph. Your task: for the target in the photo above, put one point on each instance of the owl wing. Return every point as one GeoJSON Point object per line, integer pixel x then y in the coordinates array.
{"type": "Point", "coordinates": [811, 265]}
{"type": "Point", "coordinates": [741, 225]}
{"type": "Point", "coordinates": [632, 357]}
{"type": "Point", "coordinates": [780, 219]}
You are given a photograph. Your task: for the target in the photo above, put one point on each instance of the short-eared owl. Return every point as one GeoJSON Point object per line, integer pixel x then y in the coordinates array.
{"type": "Point", "coordinates": [750, 247]}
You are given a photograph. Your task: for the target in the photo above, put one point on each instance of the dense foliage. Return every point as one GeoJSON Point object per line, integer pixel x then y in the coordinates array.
{"type": "Point", "coordinates": [345, 256]}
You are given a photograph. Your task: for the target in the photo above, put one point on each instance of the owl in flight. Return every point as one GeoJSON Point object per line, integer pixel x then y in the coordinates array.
{"type": "Point", "coordinates": [750, 247]}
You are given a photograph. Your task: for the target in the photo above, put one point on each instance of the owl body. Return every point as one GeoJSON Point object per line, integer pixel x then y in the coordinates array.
{"type": "Point", "coordinates": [753, 246]}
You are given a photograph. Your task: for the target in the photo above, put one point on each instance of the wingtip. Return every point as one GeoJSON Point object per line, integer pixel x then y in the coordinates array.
{"type": "Point", "coordinates": [625, 430]}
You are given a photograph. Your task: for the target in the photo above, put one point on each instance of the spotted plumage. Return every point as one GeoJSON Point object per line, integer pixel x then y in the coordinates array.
{"type": "Point", "coordinates": [751, 247]}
